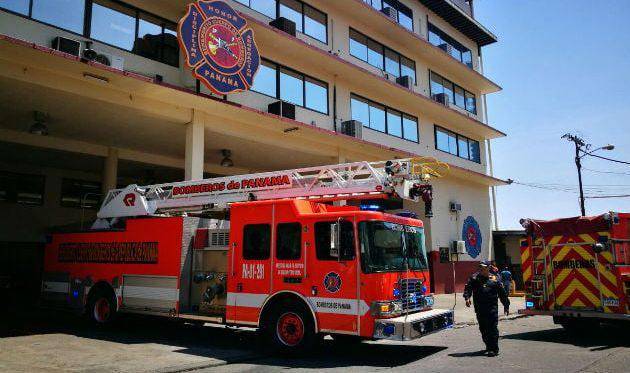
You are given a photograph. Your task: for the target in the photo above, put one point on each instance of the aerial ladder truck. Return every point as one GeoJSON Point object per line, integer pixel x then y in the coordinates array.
{"type": "Point", "coordinates": [297, 254]}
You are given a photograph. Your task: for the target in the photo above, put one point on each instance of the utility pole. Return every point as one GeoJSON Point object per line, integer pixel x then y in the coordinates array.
{"type": "Point", "coordinates": [581, 146]}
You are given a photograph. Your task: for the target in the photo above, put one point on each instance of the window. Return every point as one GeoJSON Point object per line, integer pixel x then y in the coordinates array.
{"type": "Point", "coordinates": [456, 95]}
{"type": "Point", "coordinates": [308, 20]}
{"type": "Point", "coordinates": [383, 119]}
{"type": "Point", "coordinates": [265, 81]}
{"type": "Point", "coordinates": [441, 40]}
{"type": "Point", "coordinates": [22, 188]}
{"type": "Point", "coordinates": [289, 241]}
{"type": "Point", "coordinates": [256, 241]}
{"type": "Point", "coordinates": [346, 240]}
{"type": "Point", "coordinates": [80, 193]}
{"type": "Point", "coordinates": [457, 145]}
{"type": "Point", "coordinates": [66, 14]}
{"type": "Point", "coordinates": [17, 6]}
{"type": "Point", "coordinates": [114, 24]}
{"type": "Point", "coordinates": [294, 87]}
{"type": "Point", "coordinates": [383, 58]}
{"type": "Point", "coordinates": [404, 15]}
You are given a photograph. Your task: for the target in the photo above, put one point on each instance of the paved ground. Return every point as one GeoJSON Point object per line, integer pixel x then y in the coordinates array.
{"type": "Point", "coordinates": [465, 315]}
{"type": "Point", "coordinates": [55, 342]}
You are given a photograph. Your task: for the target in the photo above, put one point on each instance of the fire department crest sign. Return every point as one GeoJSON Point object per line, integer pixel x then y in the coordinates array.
{"type": "Point", "coordinates": [218, 46]}
{"type": "Point", "coordinates": [332, 282]}
{"type": "Point", "coordinates": [472, 237]}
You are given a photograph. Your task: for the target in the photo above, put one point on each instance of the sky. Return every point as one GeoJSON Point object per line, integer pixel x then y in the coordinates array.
{"type": "Point", "coordinates": [564, 67]}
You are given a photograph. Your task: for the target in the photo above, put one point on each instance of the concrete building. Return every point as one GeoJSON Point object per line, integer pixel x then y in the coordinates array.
{"type": "Point", "coordinates": [71, 128]}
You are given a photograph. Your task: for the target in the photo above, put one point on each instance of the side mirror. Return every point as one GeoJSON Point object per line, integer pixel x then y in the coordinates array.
{"type": "Point", "coordinates": [334, 239]}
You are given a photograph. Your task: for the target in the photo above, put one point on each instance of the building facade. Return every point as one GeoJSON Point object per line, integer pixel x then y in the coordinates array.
{"type": "Point", "coordinates": [73, 125]}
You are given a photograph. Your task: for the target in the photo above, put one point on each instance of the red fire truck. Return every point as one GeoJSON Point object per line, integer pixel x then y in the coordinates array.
{"type": "Point", "coordinates": [578, 269]}
{"type": "Point", "coordinates": [297, 254]}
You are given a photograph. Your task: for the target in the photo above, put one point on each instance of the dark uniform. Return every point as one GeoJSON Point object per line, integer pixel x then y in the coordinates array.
{"type": "Point", "coordinates": [485, 293]}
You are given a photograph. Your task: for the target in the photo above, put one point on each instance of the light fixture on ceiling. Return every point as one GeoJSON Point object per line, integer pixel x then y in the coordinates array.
{"type": "Point", "coordinates": [227, 161]}
{"type": "Point", "coordinates": [39, 127]}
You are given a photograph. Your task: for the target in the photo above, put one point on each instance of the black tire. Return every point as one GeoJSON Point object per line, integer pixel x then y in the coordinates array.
{"type": "Point", "coordinates": [289, 328]}
{"type": "Point", "coordinates": [101, 308]}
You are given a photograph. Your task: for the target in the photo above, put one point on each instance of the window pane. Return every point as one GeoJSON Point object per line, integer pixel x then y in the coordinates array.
{"type": "Point", "coordinates": [358, 45]}
{"type": "Point", "coordinates": [67, 14]}
{"type": "Point", "coordinates": [474, 152]}
{"type": "Point", "coordinates": [266, 7]}
{"type": "Point", "coordinates": [408, 67]}
{"type": "Point", "coordinates": [471, 103]}
{"type": "Point", "coordinates": [170, 51]}
{"type": "Point", "coordinates": [375, 54]}
{"type": "Point", "coordinates": [405, 20]}
{"type": "Point", "coordinates": [18, 6]}
{"type": "Point", "coordinates": [346, 241]}
{"type": "Point", "coordinates": [467, 58]}
{"type": "Point", "coordinates": [30, 189]}
{"type": "Point", "coordinates": [462, 146]}
{"type": "Point", "coordinates": [452, 143]}
{"type": "Point", "coordinates": [291, 87]}
{"type": "Point", "coordinates": [448, 90]}
{"type": "Point", "coordinates": [360, 111]}
{"type": "Point", "coordinates": [441, 140]}
{"type": "Point", "coordinates": [292, 10]}
{"type": "Point", "coordinates": [436, 84]}
{"type": "Point", "coordinates": [149, 41]}
{"type": "Point", "coordinates": [456, 53]}
{"type": "Point", "coordinates": [410, 128]}
{"type": "Point", "coordinates": [394, 123]}
{"type": "Point", "coordinates": [434, 37]}
{"type": "Point", "coordinates": [112, 26]}
{"type": "Point", "coordinates": [392, 62]}
{"type": "Point", "coordinates": [316, 95]}
{"type": "Point", "coordinates": [265, 80]}
{"type": "Point", "coordinates": [80, 193]}
{"type": "Point", "coordinates": [459, 97]}
{"type": "Point", "coordinates": [315, 23]}
{"type": "Point", "coordinates": [256, 241]}
{"type": "Point", "coordinates": [289, 241]}
{"type": "Point", "coordinates": [377, 117]}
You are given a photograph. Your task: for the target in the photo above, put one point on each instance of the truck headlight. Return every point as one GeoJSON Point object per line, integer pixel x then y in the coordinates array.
{"type": "Point", "coordinates": [386, 308]}
{"type": "Point", "coordinates": [429, 301]}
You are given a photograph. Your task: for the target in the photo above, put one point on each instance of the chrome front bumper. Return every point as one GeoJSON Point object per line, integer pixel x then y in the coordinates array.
{"type": "Point", "coordinates": [415, 325]}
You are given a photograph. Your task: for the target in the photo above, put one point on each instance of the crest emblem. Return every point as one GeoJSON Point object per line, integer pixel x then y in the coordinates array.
{"type": "Point", "coordinates": [218, 46]}
{"type": "Point", "coordinates": [332, 282]}
{"type": "Point", "coordinates": [471, 234]}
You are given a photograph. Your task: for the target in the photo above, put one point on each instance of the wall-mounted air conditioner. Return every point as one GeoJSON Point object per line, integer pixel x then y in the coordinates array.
{"type": "Point", "coordinates": [352, 128]}
{"type": "Point", "coordinates": [66, 45]}
{"type": "Point", "coordinates": [107, 59]}
{"type": "Point", "coordinates": [391, 13]}
{"type": "Point", "coordinates": [284, 24]}
{"type": "Point", "coordinates": [455, 207]}
{"type": "Point", "coordinates": [442, 98]}
{"type": "Point", "coordinates": [283, 109]}
{"type": "Point", "coordinates": [458, 247]}
{"type": "Point", "coordinates": [405, 81]}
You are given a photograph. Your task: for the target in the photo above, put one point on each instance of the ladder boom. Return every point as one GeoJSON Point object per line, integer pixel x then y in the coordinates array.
{"type": "Point", "coordinates": [346, 179]}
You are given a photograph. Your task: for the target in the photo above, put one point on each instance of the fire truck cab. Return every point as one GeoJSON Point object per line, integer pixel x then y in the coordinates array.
{"type": "Point", "coordinates": [295, 268]}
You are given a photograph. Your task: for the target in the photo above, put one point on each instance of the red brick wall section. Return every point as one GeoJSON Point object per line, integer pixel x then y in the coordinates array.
{"type": "Point", "coordinates": [442, 274]}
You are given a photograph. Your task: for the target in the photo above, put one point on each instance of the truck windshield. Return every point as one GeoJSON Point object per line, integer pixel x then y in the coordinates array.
{"type": "Point", "coordinates": [390, 247]}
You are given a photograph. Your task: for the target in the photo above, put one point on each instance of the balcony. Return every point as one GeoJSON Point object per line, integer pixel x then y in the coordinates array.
{"type": "Point", "coordinates": [459, 14]}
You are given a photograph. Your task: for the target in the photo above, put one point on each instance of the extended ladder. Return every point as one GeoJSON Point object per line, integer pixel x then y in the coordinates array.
{"type": "Point", "coordinates": [345, 180]}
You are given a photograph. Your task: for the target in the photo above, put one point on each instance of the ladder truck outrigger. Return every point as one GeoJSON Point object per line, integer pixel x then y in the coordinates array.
{"type": "Point", "coordinates": [297, 254]}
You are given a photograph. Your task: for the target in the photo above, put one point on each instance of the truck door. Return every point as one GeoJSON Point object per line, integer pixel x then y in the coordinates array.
{"type": "Point", "coordinates": [333, 279]}
{"type": "Point", "coordinates": [249, 257]}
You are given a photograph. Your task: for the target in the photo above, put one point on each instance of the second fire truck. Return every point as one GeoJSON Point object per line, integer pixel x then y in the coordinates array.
{"type": "Point", "coordinates": [273, 251]}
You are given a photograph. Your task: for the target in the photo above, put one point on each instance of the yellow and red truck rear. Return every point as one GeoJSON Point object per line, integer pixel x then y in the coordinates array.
{"type": "Point", "coordinates": [577, 268]}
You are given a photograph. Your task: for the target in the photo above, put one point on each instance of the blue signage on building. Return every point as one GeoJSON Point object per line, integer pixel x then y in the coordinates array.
{"type": "Point", "coordinates": [471, 235]}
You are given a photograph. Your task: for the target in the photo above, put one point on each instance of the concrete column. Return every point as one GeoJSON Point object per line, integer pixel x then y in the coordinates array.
{"type": "Point", "coordinates": [110, 170]}
{"type": "Point", "coordinates": [194, 147]}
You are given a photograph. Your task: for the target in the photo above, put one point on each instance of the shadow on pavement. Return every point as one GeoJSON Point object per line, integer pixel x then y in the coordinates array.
{"type": "Point", "coordinates": [468, 354]}
{"type": "Point", "coordinates": [210, 342]}
{"type": "Point", "coordinates": [597, 339]}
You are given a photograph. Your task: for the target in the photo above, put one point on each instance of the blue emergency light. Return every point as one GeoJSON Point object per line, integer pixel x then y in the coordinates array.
{"type": "Point", "coordinates": [529, 304]}
{"type": "Point", "coordinates": [371, 207]}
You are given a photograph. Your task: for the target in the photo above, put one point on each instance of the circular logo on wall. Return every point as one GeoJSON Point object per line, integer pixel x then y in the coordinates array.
{"type": "Point", "coordinates": [218, 46]}
{"type": "Point", "coordinates": [472, 237]}
{"type": "Point", "coordinates": [332, 282]}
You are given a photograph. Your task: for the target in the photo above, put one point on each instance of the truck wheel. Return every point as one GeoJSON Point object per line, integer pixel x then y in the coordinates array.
{"type": "Point", "coordinates": [101, 309]}
{"type": "Point", "coordinates": [290, 328]}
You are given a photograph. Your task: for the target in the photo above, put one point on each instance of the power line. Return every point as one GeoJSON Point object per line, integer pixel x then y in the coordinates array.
{"type": "Point", "coordinates": [606, 172]}
{"type": "Point", "coordinates": [609, 159]}
{"type": "Point", "coordinates": [617, 196]}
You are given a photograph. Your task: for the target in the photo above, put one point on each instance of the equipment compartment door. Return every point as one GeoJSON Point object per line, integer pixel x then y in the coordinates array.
{"type": "Point", "coordinates": [574, 273]}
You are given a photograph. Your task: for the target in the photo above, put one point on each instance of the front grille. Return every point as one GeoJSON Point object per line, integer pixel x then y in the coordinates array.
{"type": "Point", "coordinates": [411, 294]}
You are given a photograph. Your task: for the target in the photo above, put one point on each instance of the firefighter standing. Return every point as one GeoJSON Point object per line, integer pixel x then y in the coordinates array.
{"type": "Point", "coordinates": [486, 289]}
